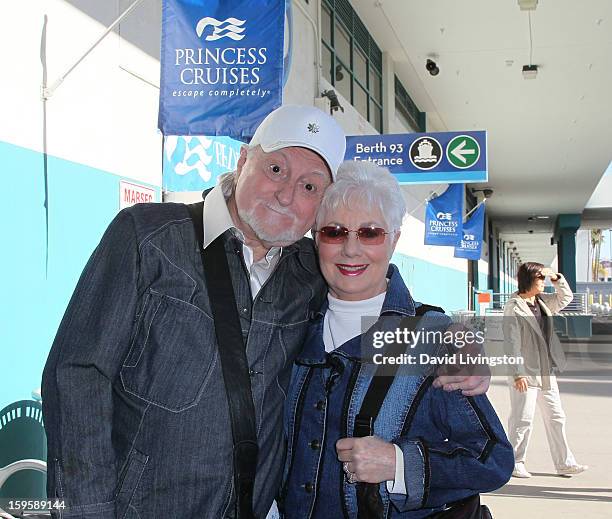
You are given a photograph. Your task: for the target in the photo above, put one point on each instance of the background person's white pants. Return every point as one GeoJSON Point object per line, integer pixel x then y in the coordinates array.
{"type": "Point", "coordinates": [520, 422]}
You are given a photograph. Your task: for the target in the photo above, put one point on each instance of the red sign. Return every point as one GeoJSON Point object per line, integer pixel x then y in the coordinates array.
{"type": "Point", "coordinates": [130, 194]}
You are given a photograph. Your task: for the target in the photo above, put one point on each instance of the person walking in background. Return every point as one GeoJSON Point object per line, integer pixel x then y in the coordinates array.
{"type": "Point", "coordinates": [528, 327]}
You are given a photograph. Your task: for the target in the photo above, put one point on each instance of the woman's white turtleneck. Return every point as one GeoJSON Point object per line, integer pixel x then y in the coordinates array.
{"type": "Point", "coordinates": [343, 318]}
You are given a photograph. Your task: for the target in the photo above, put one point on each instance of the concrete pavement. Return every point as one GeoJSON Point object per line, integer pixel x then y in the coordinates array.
{"type": "Point", "coordinates": [587, 400]}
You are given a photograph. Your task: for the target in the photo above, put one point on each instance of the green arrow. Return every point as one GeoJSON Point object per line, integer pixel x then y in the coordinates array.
{"type": "Point", "coordinates": [460, 152]}
{"type": "Point", "coordinates": [463, 151]}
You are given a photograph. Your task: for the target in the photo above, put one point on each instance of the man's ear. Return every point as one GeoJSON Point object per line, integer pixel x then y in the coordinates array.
{"type": "Point", "coordinates": [241, 159]}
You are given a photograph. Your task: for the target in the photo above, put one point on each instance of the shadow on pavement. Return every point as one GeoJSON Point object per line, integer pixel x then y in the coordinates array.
{"type": "Point", "coordinates": [553, 492]}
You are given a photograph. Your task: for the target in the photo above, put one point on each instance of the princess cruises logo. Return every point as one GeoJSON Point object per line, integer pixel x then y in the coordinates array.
{"type": "Point", "coordinates": [229, 28]}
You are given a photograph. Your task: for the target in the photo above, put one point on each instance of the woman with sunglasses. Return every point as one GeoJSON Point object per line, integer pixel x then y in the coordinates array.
{"type": "Point", "coordinates": [432, 451]}
{"type": "Point", "coordinates": [528, 329]}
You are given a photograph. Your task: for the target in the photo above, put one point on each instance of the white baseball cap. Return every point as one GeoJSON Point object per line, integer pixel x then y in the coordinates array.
{"type": "Point", "coordinates": [305, 127]}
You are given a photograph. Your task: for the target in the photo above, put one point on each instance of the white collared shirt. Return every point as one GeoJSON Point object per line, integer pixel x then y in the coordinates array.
{"type": "Point", "coordinates": [217, 220]}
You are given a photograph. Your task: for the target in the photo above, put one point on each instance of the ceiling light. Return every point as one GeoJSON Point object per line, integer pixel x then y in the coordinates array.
{"type": "Point", "coordinates": [528, 5]}
{"type": "Point", "coordinates": [542, 217]}
{"type": "Point", "coordinates": [530, 71]}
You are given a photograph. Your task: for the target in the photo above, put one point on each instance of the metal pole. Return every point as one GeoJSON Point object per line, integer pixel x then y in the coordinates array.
{"type": "Point", "coordinates": [474, 209]}
{"type": "Point", "coordinates": [48, 92]}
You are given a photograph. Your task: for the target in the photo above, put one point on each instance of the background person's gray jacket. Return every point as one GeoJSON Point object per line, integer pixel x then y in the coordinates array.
{"type": "Point", "coordinates": [542, 354]}
{"type": "Point", "coordinates": [133, 396]}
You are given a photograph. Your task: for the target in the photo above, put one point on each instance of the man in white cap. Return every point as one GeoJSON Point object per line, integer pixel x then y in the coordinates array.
{"type": "Point", "coordinates": [136, 395]}
{"type": "Point", "coordinates": [163, 392]}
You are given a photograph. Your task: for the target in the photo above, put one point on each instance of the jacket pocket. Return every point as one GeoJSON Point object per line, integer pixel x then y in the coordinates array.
{"type": "Point", "coordinates": [172, 355]}
{"type": "Point", "coordinates": [129, 481]}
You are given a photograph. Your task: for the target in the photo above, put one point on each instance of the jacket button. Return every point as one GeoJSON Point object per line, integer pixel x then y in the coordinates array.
{"type": "Point", "coordinates": [309, 487]}
{"type": "Point", "coordinates": [320, 405]}
{"type": "Point", "coordinates": [315, 445]}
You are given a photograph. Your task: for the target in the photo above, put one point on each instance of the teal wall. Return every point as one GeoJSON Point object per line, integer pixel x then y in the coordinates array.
{"type": "Point", "coordinates": [433, 284]}
{"type": "Point", "coordinates": [483, 281]}
{"type": "Point", "coordinates": [82, 201]}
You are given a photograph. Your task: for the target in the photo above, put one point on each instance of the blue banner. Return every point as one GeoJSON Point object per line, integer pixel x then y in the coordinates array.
{"type": "Point", "coordinates": [194, 163]}
{"type": "Point", "coordinates": [221, 66]}
{"type": "Point", "coordinates": [470, 245]}
{"type": "Point", "coordinates": [425, 158]}
{"type": "Point", "coordinates": [443, 217]}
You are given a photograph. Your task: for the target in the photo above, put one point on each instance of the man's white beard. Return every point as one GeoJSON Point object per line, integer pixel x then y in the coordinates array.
{"type": "Point", "coordinates": [283, 238]}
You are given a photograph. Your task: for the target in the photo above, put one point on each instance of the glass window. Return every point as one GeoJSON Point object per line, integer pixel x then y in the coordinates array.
{"type": "Point", "coordinates": [343, 81]}
{"type": "Point", "coordinates": [326, 63]}
{"type": "Point", "coordinates": [347, 53]}
{"type": "Point", "coordinates": [326, 25]}
{"type": "Point", "coordinates": [361, 100]}
{"type": "Point", "coordinates": [342, 44]}
{"type": "Point", "coordinates": [375, 86]}
{"type": "Point", "coordinates": [360, 66]}
{"type": "Point", "coordinates": [376, 116]}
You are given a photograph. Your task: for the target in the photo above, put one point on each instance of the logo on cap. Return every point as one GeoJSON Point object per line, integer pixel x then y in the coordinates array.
{"type": "Point", "coordinates": [313, 128]}
{"type": "Point", "coordinates": [232, 30]}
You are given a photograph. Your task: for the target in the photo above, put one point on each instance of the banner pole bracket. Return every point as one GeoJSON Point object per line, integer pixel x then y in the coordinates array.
{"type": "Point", "coordinates": [47, 92]}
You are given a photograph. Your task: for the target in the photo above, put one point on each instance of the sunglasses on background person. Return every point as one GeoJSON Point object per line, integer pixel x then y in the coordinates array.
{"type": "Point", "coordinates": [339, 234]}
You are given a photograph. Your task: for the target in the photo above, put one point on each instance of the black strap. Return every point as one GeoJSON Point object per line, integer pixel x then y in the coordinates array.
{"type": "Point", "coordinates": [234, 364]}
{"type": "Point", "coordinates": [369, 503]}
{"type": "Point", "coordinates": [379, 387]}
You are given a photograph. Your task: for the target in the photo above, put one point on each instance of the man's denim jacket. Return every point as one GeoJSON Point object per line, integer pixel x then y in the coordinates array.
{"type": "Point", "coordinates": [133, 395]}
{"type": "Point", "coordinates": [454, 446]}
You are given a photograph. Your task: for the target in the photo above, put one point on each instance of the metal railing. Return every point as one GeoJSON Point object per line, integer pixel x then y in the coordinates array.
{"type": "Point", "coordinates": [578, 305]}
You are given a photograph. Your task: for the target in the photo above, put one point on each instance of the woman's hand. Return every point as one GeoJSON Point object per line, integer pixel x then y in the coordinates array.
{"type": "Point", "coordinates": [470, 385]}
{"type": "Point", "coordinates": [520, 384]}
{"type": "Point", "coordinates": [370, 459]}
{"type": "Point", "coordinates": [550, 273]}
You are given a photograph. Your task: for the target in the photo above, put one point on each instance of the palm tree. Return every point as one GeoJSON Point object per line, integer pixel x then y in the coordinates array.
{"type": "Point", "coordinates": [597, 239]}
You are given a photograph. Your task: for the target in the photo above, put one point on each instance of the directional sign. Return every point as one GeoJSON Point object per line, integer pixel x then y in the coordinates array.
{"type": "Point", "coordinates": [463, 151]}
{"type": "Point", "coordinates": [425, 158]}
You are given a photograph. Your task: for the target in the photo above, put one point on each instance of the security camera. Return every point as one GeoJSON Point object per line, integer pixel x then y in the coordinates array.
{"type": "Point", "coordinates": [334, 103]}
{"type": "Point", "coordinates": [432, 68]}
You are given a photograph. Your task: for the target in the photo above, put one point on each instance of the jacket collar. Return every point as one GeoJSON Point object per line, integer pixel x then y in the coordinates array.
{"type": "Point", "coordinates": [522, 308]}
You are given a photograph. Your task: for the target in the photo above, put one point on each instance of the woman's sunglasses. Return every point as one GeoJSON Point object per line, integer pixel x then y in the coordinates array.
{"type": "Point", "coordinates": [540, 276]}
{"type": "Point", "coordinates": [339, 234]}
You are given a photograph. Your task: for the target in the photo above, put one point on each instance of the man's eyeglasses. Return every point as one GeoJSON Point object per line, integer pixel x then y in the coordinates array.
{"type": "Point", "coordinates": [339, 234]}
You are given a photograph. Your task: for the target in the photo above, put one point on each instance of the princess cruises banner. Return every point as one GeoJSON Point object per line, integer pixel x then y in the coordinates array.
{"type": "Point", "coordinates": [221, 66]}
{"type": "Point", "coordinates": [443, 217]}
{"type": "Point", "coordinates": [470, 245]}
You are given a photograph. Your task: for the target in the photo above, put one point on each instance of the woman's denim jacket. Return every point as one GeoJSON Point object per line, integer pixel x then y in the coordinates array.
{"type": "Point", "coordinates": [454, 446]}
{"type": "Point", "coordinates": [133, 395]}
